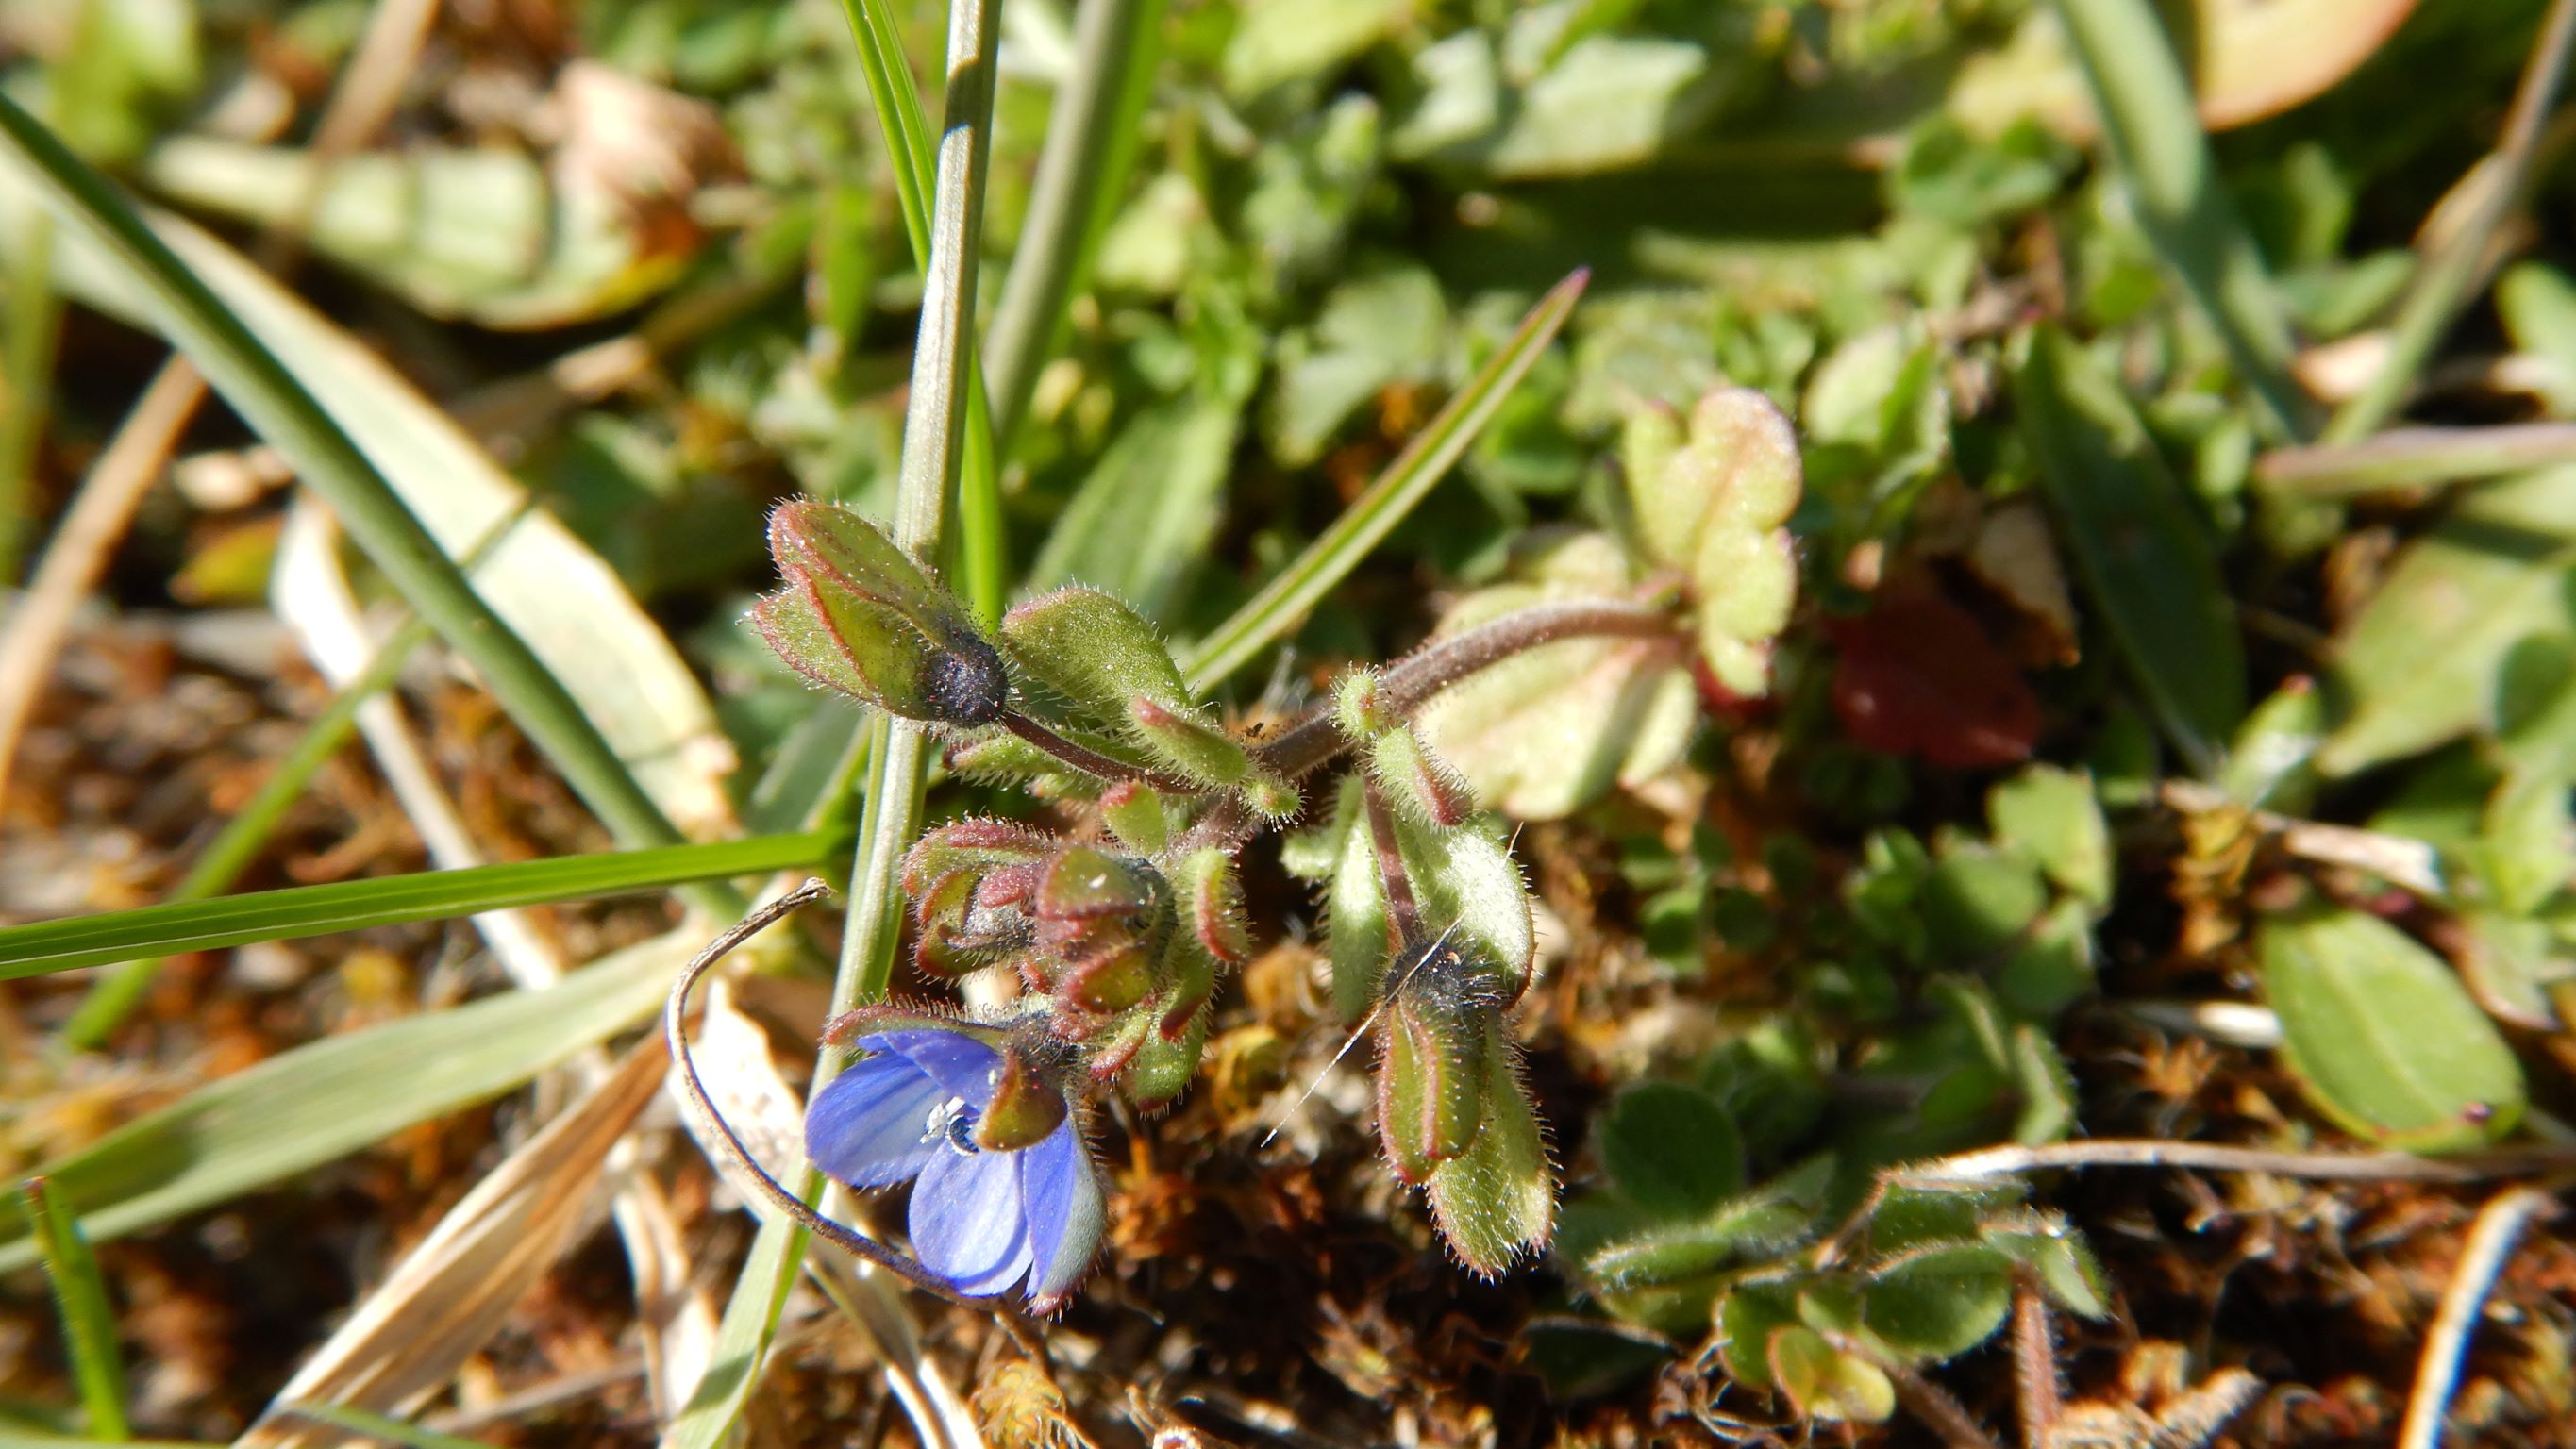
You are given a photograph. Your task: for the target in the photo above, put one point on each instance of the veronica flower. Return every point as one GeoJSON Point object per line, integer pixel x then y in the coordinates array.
{"type": "Point", "coordinates": [984, 1216]}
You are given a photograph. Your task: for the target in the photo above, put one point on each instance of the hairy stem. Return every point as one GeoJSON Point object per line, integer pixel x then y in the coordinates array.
{"type": "Point", "coordinates": [1411, 682]}
{"type": "Point", "coordinates": [1403, 913]}
{"type": "Point", "coordinates": [1089, 761]}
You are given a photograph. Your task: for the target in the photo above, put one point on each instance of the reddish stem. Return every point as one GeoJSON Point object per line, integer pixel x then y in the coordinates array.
{"type": "Point", "coordinates": [1410, 682]}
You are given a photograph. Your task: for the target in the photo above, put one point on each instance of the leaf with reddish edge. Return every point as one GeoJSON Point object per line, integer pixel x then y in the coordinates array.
{"type": "Point", "coordinates": [1919, 676]}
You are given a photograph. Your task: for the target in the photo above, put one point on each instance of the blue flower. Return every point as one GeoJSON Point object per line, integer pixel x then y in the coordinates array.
{"type": "Point", "coordinates": [981, 1219]}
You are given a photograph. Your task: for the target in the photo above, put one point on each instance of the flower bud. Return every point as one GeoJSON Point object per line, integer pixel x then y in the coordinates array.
{"type": "Point", "coordinates": [1415, 780]}
{"type": "Point", "coordinates": [1212, 905]}
{"type": "Point", "coordinates": [972, 883]}
{"type": "Point", "coordinates": [1442, 1020]}
{"type": "Point", "coordinates": [1106, 660]}
{"type": "Point", "coordinates": [1103, 921]}
{"type": "Point", "coordinates": [857, 615]}
{"type": "Point", "coordinates": [1497, 1200]}
{"type": "Point", "coordinates": [1163, 1065]}
{"type": "Point", "coordinates": [1133, 811]}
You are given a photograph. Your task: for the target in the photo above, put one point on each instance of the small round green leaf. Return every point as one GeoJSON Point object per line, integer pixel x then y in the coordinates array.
{"type": "Point", "coordinates": [1940, 1302]}
{"type": "Point", "coordinates": [1672, 1148]}
{"type": "Point", "coordinates": [1825, 1383]}
{"type": "Point", "coordinates": [2052, 816]}
{"type": "Point", "coordinates": [2383, 1035]}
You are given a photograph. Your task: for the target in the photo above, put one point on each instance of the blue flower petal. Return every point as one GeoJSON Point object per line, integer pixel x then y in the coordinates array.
{"type": "Point", "coordinates": [864, 1128]}
{"type": "Point", "coordinates": [968, 1222]}
{"type": "Point", "coordinates": [1065, 1212]}
{"type": "Point", "coordinates": [963, 1065]}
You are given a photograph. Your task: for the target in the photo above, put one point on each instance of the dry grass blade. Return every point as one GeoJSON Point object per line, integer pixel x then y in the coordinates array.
{"type": "Point", "coordinates": [2393, 858]}
{"type": "Point", "coordinates": [673, 1313]}
{"type": "Point", "coordinates": [312, 595]}
{"type": "Point", "coordinates": [455, 1289]}
{"type": "Point", "coordinates": [81, 544]}
{"type": "Point", "coordinates": [2437, 1374]}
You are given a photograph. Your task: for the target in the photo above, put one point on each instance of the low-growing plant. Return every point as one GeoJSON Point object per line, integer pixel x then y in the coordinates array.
{"type": "Point", "coordinates": [1114, 931]}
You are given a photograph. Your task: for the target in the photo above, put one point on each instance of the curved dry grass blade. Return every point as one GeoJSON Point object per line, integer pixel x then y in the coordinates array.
{"type": "Point", "coordinates": [78, 552]}
{"type": "Point", "coordinates": [312, 593]}
{"type": "Point", "coordinates": [453, 1291]}
{"type": "Point", "coordinates": [2437, 1373]}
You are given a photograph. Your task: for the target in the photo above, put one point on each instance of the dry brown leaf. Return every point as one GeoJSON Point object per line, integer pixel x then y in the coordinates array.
{"type": "Point", "coordinates": [2015, 555]}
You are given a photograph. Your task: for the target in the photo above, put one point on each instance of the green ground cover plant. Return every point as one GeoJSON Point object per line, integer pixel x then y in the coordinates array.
{"type": "Point", "coordinates": [1486, 722]}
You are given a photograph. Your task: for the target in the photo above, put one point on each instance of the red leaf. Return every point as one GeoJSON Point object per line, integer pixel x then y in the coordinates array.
{"type": "Point", "coordinates": [1919, 676]}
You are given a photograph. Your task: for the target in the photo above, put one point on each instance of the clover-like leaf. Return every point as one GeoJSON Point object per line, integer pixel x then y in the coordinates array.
{"type": "Point", "coordinates": [1672, 1148]}
{"type": "Point", "coordinates": [2054, 816]}
{"type": "Point", "coordinates": [1823, 1382]}
{"type": "Point", "coordinates": [1712, 498]}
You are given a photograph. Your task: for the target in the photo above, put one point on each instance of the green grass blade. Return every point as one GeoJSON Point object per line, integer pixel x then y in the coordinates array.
{"type": "Point", "coordinates": [1082, 172]}
{"type": "Point", "coordinates": [283, 412]}
{"type": "Point", "coordinates": [2151, 124]}
{"type": "Point", "coordinates": [80, 1299]}
{"type": "Point", "coordinates": [300, 911]}
{"type": "Point", "coordinates": [2441, 284]}
{"type": "Point", "coordinates": [944, 391]}
{"type": "Point", "coordinates": [34, 320]}
{"type": "Point", "coordinates": [1284, 602]}
{"type": "Point", "coordinates": [324, 1100]}
{"type": "Point", "coordinates": [909, 149]}
{"type": "Point", "coordinates": [2415, 458]}
{"type": "Point", "coordinates": [2140, 548]}
{"type": "Point", "coordinates": [378, 1426]}
{"type": "Point", "coordinates": [982, 554]}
